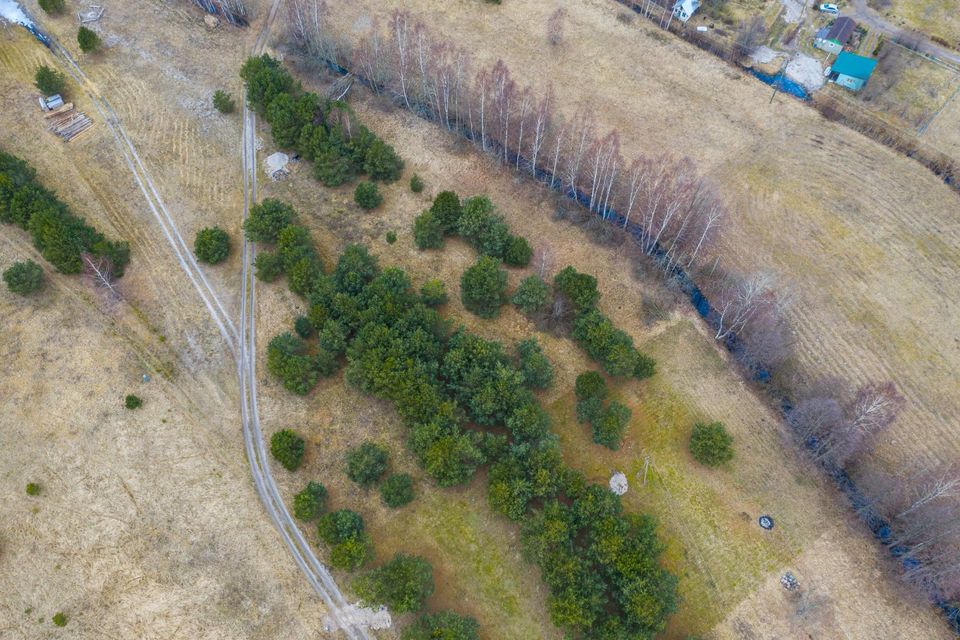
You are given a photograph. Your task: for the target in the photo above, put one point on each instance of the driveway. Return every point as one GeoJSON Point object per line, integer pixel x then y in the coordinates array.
{"type": "Point", "coordinates": [859, 11]}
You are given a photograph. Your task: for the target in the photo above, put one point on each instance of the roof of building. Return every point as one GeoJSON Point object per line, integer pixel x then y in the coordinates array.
{"type": "Point", "coordinates": [841, 30]}
{"type": "Point", "coordinates": [850, 64]}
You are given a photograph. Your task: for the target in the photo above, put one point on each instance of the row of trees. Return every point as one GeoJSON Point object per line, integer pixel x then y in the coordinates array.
{"type": "Point", "coordinates": [65, 240]}
{"type": "Point", "coordinates": [467, 402]}
{"type": "Point", "coordinates": [668, 206]}
{"type": "Point", "coordinates": [325, 132]}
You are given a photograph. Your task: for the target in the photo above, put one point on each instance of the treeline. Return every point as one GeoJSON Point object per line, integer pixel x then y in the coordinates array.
{"type": "Point", "coordinates": [325, 132]}
{"type": "Point", "coordinates": [65, 240]}
{"type": "Point", "coordinates": [672, 209]}
{"type": "Point", "coordinates": [467, 403]}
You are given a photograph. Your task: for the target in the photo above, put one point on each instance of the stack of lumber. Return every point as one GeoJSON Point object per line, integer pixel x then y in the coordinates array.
{"type": "Point", "coordinates": [67, 122]}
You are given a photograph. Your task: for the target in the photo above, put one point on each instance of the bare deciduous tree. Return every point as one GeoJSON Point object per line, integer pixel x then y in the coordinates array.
{"type": "Point", "coordinates": [750, 34]}
{"type": "Point", "coordinates": [875, 407]}
{"type": "Point", "coordinates": [98, 270]}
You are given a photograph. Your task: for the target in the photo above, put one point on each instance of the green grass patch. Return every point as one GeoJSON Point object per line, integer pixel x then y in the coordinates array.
{"type": "Point", "coordinates": [707, 516]}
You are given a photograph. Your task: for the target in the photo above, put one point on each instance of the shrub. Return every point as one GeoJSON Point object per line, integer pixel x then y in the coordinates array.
{"type": "Point", "coordinates": [445, 625]}
{"type": "Point", "coordinates": [529, 423]}
{"type": "Point", "coordinates": [223, 101]}
{"type": "Point", "coordinates": [532, 295]}
{"type": "Point", "coordinates": [355, 268]}
{"type": "Point", "coordinates": [60, 619]}
{"type": "Point", "coordinates": [332, 336]}
{"type": "Point", "coordinates": [391, 237]}
{"type": "Point", "coordinates": [609, 425]}
{"type": "Point", "coordinates": [268, 266]}
{"type": "Point", "coordinates": [303, 275]}
{"type": "Point", "coordinates": [51, 6]}
{"type": "Point", "coordinates": [590, 384]}
{"type": "Point", "coordinates": [433, 293]}
{"type": "Point", "coordinates": [331, 168]}
{"type": "Point", "coordinates": [482, 228]}
{"type": "Point", "coordinates": [288, 448]}
{"type": "Point", "coordinates": [294, 244]}
{"type": "Point", "coordinates": [534, 366]}
{"type": "Point", "coordinates": [303, 327]}
{"type": "Point", "coordinates": [589, 409]}
{"type": "Point", "coordinates": [24, 278]}
{"type": "Point", "coordinates": [33, 489]}
{"type": "Point", "coordinates": [88, 40]}
{"type": "Point", "coordinates": [397, 490]}
{"type": "Point", "coordinates": [132, 402]}
{"type": "Point", "coordinates": [367, 195]}
{"type": "Point", "coordinates": [351, 554]}
{"type": "Point", "coordinates": [267, 219]}
{"type": "Point", "coordinates": [483, 287]}
{"type": "Point", "coordinates": [416, 183]}
{"type": "Point", "coordinates": [403, 584]}
{"type": "Point", "coordinates": [366, 464]}
{"type": "Point", "coordinates": [265, 79]}
{"type": "Point", "coordinates": [310, 503]}
{"type": "Point", "coordinates": [518, 252]}
{"type": "Point", "coordinates": [446, 209]}
{"type": "Point", "coordinates": [609, 346]}
{"type": "Point", "coordinates": [382, 162]}
{"type": "Point", "coordinates": [579, 288]}
{"type": "Point", "coordinates": [337, 526]}
{"type": "Point", "coordinates": [212, 245]}
{"type": "Point", "coordinates": [427, 231]}
{"type": "Point", "coordinates": [49, 81]}
{"type": "Point", "coordinates": [710, 444]}
{"type": "Point", "coordinates": [287, 359]}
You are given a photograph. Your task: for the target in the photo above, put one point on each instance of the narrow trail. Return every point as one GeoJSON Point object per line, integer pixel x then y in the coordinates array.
{"type": "Point", "coordinates": [318, 575]}
{"type": "Point", "coordinates": [241, 343]}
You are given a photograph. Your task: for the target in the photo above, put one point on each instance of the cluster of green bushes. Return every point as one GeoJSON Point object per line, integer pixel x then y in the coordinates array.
{"type": "Point", "coordinates": [607, 423]}
{"type": "Point", "coordinates": [476, 221]}
{"type": "Point", "coordinates": [368, 463]}
{"type": "Point", "coordinates": [575, 295]}
{"type": "Point", "coordinates": [58, 235]}
{"type": "Point", "coordinates": [325, 132]}
{"type": "Point", "coordinates": [601, 564]}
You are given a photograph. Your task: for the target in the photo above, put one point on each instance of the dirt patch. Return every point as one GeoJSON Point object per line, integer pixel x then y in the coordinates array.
{"type": "Point", "coordinates": [806, 70]}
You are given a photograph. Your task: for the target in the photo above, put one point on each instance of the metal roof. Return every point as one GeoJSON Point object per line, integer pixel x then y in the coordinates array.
{"type": "Point", "coordinates": [850, 64]}
{"type": "Point", "coordinates": [841, 30]}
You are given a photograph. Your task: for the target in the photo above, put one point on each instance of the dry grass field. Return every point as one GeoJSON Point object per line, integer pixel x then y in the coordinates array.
{"type": "Point", "coordinates": [867, 238]}
{"type": "Point", "coordinates": [150, 529]}
{"type": "Point", "coordinates": [148, 525]}
{"type": "Point", "coordinates": [934, 17]}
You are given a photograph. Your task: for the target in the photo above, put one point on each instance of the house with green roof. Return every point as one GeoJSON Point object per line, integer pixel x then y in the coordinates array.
{"type": "Point", "coordinates": [852, 71]}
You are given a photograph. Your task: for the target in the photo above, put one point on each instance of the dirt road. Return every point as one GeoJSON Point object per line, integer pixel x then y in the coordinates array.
{"type": "Point", "coordinates": [242, 343]}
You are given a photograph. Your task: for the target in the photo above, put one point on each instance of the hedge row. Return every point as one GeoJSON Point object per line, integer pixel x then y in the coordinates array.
{"type": "Point", "coordinates": [60, 236]}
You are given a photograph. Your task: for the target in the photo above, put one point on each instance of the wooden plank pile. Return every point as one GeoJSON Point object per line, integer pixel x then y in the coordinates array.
{"type": "Point", "coordinates": [67, 122]}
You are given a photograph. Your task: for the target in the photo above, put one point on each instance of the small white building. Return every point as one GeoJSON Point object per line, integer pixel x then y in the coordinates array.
{"type": "Point", "coordinates": [684, 9]}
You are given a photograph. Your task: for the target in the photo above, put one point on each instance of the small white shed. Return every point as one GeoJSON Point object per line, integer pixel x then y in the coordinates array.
{"type": "Point", "coordinates": [684, 9]}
